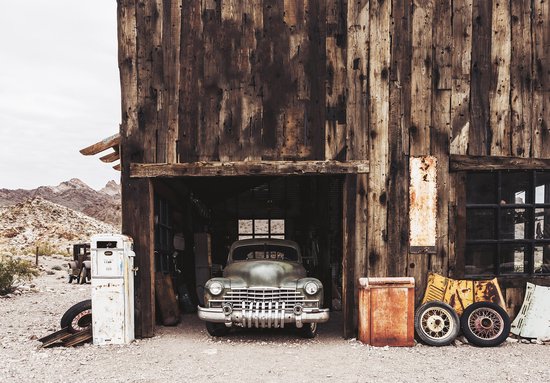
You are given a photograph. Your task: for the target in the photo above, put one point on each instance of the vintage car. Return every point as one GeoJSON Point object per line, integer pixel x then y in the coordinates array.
{"type": "Point", "coordinates": [264, 285]}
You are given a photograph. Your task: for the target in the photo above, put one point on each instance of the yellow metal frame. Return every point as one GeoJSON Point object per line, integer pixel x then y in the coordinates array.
{"type": "Point", "coordinates": [461, 293]}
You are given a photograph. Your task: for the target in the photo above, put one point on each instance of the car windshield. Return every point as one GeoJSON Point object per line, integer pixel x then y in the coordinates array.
{"type": "Point", "coordinates": [265, 251]}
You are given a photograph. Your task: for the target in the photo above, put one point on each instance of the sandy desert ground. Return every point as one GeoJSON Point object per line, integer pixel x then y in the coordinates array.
{"type": "Point", "coordinates": [187, 354]}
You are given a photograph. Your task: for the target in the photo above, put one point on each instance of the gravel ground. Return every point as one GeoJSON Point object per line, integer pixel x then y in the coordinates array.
{"type": "Point", "coordinates": [187, 354]}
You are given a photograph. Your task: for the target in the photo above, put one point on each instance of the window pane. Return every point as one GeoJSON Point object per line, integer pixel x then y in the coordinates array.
{"type": "Point", "coordinates": [515, 224]}
{"type": "Point", "coordinates": [542, 191]}
{"type": "Point", "coordinates": [245, 237]}
{"type": "Point", "coordinates": [278, 226]}
{"type": "Point", "coordinates": [515, 188]}
{"type": "Point", "coordinates": [278, 236]}
{"type": "Point", "coordinates": [542, 223]}
{"type": "Point", "coordinates": [480, 224]}
{"type": "Point", "coordinates": [542, 259]}
{"type": "Point", "coordinates": [481, 188]}
{"type": "Point", "coordinates": [513, 258]}
{"type": "Point", "coordinates": [480, 259]}
{"type": "Point", "coordinates": [245, 226]}
{"type": "Point", "coordinates": [261, 226]}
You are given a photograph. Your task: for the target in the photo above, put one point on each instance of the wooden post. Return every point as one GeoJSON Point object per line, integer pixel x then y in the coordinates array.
{"type": "Point", "coordinates": [36, 258]}
{"type": "Point", "coordinates": [137, 222]}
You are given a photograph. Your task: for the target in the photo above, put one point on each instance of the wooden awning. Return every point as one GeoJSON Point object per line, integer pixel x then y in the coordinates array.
{"type": "Point", "coordinates": [112, 142]}
{"type": "Point", "coordinates": [248, 168]}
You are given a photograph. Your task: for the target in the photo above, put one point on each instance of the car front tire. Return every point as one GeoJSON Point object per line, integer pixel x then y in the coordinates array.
{"type": "Point", "coordinates": [308, 330]}
{"type": "Point", "coordinates": [217, 329]}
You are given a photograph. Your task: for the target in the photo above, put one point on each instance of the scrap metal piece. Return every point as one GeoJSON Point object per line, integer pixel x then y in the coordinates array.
{"type": "Point", "coordinates": [533, 319]}
{"type": "Point", "coordinates": [78, 338]}
{"type": "Point", "coordinates": [461, 293]}
{"type": "Point", "coordinates": [423, 204]}
{"type": "Point", "coordinates": [66, 338]}
{"type": "Point", "coordinates": [54, 337]}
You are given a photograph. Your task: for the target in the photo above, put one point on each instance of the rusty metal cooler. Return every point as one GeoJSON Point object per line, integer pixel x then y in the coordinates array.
{"type": "Point", "coordinates": [112, 289]}
{"type": "Point", "coordinates": [386, 311]}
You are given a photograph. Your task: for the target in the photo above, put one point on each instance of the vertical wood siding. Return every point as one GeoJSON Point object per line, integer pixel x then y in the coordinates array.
{"type": "Point", "coordinates": [377, 80]}
{"type": "Point", "coordinates": [281, 79]}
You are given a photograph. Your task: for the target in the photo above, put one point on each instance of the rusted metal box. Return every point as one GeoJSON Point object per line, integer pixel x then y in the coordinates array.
{"type": "Point", "coordinates": [386, 311]}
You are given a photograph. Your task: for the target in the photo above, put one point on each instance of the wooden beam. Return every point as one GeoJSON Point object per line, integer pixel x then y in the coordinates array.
{"type": "Point", "coordinates": [117, 167]}
{"type": "Point", "coordinates": [465, 163]}
{"type": "Point", "coordinates": [111, 157]}
{"type": "Point", "coordinates": [102, 145]}
{"type": "Point", "coordinates": [247, 168]}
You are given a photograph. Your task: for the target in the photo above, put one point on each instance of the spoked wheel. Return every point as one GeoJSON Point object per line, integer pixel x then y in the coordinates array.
{"type": "Point", "coordinates": [485, 324]}
{"type": "Point", "coordinates": [78, 317]}
{"type": "Point", "coordinates": [436, 323]}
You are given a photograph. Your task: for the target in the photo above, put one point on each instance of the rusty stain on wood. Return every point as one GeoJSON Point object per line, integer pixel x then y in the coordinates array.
{"type": "Point", "coordinates": [423, 204]}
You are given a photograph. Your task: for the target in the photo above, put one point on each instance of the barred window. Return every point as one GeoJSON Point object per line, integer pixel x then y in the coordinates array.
{"type": "Point", "coordinates": [507, 223]}
{"type": "Point", "coordinates": [261, 228]}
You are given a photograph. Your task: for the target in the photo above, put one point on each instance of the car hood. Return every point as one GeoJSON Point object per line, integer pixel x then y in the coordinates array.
{"type": "Point", "coordinates": [264, 273]}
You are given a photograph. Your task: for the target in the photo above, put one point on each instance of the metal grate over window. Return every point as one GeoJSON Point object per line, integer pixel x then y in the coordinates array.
{"type": "Point", "coordinates": [507, 223]}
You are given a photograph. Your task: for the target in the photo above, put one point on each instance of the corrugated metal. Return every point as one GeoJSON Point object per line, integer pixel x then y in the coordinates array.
{"type": "Point", "coordinates": [533, 320]}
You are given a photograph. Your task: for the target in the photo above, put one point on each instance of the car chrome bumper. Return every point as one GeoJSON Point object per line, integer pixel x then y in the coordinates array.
{"type": "Point", "coordinates": [263, 318]}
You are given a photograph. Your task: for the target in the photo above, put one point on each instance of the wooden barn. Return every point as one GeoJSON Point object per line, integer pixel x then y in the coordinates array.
{"type": "Point", "coordinates": [386, 137]}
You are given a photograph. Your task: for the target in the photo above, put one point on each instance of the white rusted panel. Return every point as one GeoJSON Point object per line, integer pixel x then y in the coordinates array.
{"type": "Point", "coordinates": [423, 203]}
{"type": "Point", "coordinates": [533, 320]}
{"type": "Point", "coordinates": [112, 289]}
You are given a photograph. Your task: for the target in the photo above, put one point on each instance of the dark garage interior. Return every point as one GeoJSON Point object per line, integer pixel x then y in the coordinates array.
{"type": "Point", "coordinates": [206, 215]}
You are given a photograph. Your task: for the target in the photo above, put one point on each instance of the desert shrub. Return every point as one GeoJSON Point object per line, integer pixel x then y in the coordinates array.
{"type": "Point", "coordinates": [45, 248]}
{"type": "Point", "coordinates": [12, 270]}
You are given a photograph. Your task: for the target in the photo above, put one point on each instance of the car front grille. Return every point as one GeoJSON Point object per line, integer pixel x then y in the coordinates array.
{"type": "Point", "coordinates": [239, 297]}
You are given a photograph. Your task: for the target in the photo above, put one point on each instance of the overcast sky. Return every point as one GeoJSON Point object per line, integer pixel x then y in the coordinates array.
{"type": "Point", "coordinates": [59, 90]}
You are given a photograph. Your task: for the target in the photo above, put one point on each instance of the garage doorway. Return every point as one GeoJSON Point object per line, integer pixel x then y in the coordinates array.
{"type": "Point", "coordinates": [210, 213]}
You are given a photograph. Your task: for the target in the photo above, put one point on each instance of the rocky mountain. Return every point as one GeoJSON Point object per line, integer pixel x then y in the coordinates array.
{"type": "Point", "coordinates": [37, 222]}
{"type": "Point", "coordinates": [103, 205]}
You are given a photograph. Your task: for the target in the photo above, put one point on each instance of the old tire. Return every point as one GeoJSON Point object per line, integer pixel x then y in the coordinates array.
{"type": "Point", "coordinates": [485, 324]}
{"type": "Point", "coordinates": [308, 330]}
{"type": "Point", "coordinates": [436, 323]}
{"type": "Point", "coordinates": [78, 317]}
{"type": "Point", "coordinates": [217, 329]}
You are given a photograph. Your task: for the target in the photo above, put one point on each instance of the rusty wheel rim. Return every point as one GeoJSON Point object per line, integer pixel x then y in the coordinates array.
{"type": "Point", "coordinates": [437, 323]}
{"type": "Point", "coordinates": [82, 321]}
{"type": "Point", "coordinates": [486, 323]}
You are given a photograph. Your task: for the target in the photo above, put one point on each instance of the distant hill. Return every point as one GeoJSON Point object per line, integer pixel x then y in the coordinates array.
{"type": "Point", "coordinates": [103, 205]}
{"type": "Point", "coordinates": [52, 227]}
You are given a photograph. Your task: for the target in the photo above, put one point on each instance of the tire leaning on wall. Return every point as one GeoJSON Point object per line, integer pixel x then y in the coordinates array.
{"type": "Point", "coordinates": [485, 324]}
{"type": "Point", "coordinates": [436, 323]}
{"type": "Point", "coordinates": [78, 317]}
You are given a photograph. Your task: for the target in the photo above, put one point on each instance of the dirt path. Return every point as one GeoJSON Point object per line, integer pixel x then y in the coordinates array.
{"type": "Point", "coordinates": [187, 354]}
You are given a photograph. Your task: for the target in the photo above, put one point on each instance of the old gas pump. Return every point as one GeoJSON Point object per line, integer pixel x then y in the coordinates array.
{"type": "Point", "coordinates": [112, 289]}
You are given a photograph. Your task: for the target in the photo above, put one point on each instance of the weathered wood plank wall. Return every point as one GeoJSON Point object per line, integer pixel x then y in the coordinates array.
{"type": "Point", "coordinates": [377, 80]}
{"type": "Point", "coordinates": [277, 79]}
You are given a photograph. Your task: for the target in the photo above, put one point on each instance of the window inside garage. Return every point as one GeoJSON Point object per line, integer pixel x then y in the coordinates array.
{"type": "Point", "coordinates": [507, 223]}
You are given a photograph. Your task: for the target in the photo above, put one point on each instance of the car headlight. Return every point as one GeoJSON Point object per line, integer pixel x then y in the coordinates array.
{"type": "Point", "coordinates": [215, 288]}
{"type": "Point", "coordinates": [311, 288]}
